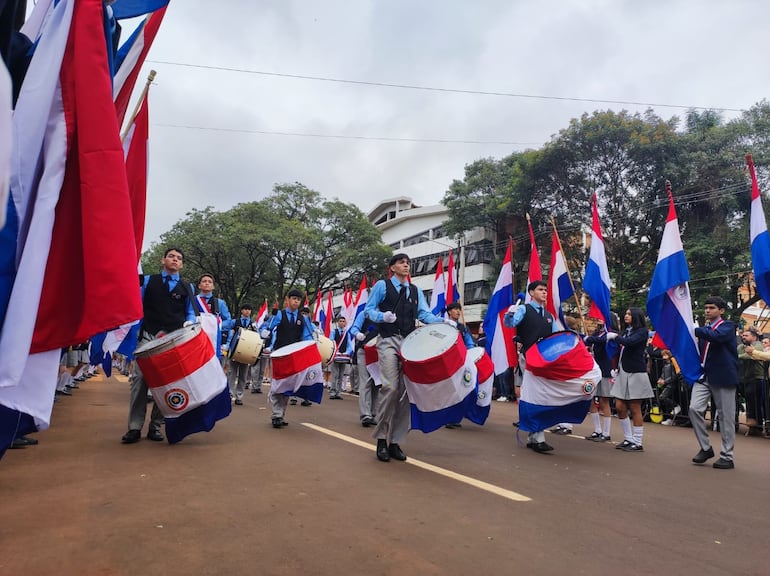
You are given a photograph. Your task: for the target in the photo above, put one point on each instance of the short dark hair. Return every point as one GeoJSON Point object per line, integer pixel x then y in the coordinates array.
{"type": "Point", "coordinates": [294, 293]}
{"type": "Point", "coordinates": [399, 256]}
{"type": "Point", "coordinates": [717, 301]}
{"type": "Point", "coordinates": [204, 275]}
{"type": "Point", "coordinates": [305, 310]}
{"type": "Point", "coordinates": [172, 249]}
{"type": "Point", "coordinates": [535, 284]}
{"type": "Point", "coordinates": [247, 307]}
{"type": "Point", "coordinates": [454, 306]}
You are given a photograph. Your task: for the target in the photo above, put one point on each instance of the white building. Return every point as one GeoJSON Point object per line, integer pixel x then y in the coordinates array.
{"type": "Point", "coordinates": [417, 231]}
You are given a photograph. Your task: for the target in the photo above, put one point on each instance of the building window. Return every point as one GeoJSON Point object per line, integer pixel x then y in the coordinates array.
{"type": "Point", "coordinates": [416, 239]}
{"type": "Point", "coordinates": [479, 253]}
{"type": "Point", "coordinates": [476, 292]}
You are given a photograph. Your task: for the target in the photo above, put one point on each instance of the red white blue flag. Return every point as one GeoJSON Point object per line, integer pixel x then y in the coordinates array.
{"type": "Point", "coordinates": [500, 346]}
{"type": "Point", "coordinates": [560, 287]}
{"type": "Point", "coordinates": [669, 304]}
{"type": "Point", "coordinates": [438, 297]}
{"type": "Point", "coordinates": [452, 294]}
{"type": "Point", "coordinates": [760, 241]}
{"type": "Point", "coordinates": [534, 272]}
{"type": "Point", "coordinates": [596, 282]}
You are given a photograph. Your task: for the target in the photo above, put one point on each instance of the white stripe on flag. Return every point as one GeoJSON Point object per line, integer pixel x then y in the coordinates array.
{"type": "Point", "coordinates": [444, 393]}
{"type": "Point", "coordinates": [198, 388]}
{"type": "Point", "coordinates": [547, 392]}
{"type": "Point", "coordinates": [307, 377]}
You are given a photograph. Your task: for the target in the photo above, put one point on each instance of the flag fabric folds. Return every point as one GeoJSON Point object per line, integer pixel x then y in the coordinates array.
{"type": "Point", "coordinates": [187, 385]}
{"type": "Point", "coordinates": [760, 241]}
{"type": "Point", "coordinates": [136, 157]}
{"type": "Point", "coordinates": [452, 294]}
{"type": "Point", "coordinates": [327, 325]}
{"type": "Point", "coordinates": [534, 272]}
{"type": "Point", "coordinates": [596, 282]}
{"type": "Point", "coordinates": [437, 297]}
{"type": "Point", "coordinates": [261, 317]}
{"type": "Point", "coordinates": [5, 139]}
{"type": "Point", "coordinates": [478, 411]}
{"type": "Point", "coordinates": [297, 371]}
{"type": "Point", "coordinates": [129, 60]}
{"type": "Point", "coordinates": [132, 8]}
{"type": "Point", "coordinates": [559, 285]}
{"type": "Point", "coordinates": [559, 382]}
{"type": "Point", "coordinates": [669, 304]}
{"type": "Point", "coordinates": [361, 298]}
{"type": "Point", "coordinates": [500, 346]}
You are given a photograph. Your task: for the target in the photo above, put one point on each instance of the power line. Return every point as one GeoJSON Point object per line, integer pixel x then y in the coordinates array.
{"type": "Point", "coordinates": [348, 137]}
{"type": "Point", "coordinates": [445, 90]}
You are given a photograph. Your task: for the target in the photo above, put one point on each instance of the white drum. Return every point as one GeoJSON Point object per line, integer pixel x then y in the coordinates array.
{"type": "Point", "coordinates": [246, 346]}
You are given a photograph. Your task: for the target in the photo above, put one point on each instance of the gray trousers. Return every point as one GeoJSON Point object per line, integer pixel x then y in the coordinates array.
{"type": "Point", "coordinates": [137, 409]}
{"type": "Point", "coordinates": [724, 398]}
{"type": "Point", "coordinates": [278, 403]}
{"type": "Point", "coordinates": [367, 392]}
{"type": "Point", "coordinates": [393, 409]}
{"type": "Point", "coordinates": [338, 373]}
{"type": "Point", "coordinates": [237, 378]}
{"type": "Point", "coordinates": [353, 375]}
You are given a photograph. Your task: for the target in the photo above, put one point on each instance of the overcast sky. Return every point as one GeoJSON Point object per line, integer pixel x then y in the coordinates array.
{"type": "Point", "coordinates": [708, 53]}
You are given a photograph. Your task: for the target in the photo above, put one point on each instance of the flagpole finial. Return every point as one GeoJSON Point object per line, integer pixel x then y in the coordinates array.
{"type": "Point", "coordinates": [527, 216]}
{"type": "Point", "coordinates": [151, 76]}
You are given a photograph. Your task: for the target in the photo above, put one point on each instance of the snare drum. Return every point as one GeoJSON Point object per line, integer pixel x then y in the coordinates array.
{"type": "Point", "coordinates": [325, 347]}
{"type": "Point", "coordinates": [438, 380]}
{"type": "Point", "coordinates": [246, 346]}
{"type": "Point", "coordinates": [183, 373]}
{"type": "Point", "coordinates": [342, 358]}
{"type": "Point", "coordinates": [297, 371]}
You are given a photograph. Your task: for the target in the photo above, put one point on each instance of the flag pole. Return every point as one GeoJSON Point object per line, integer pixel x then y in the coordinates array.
{"type": "Point", "coordinates": [569, 276]}
{"type": "Point", "coordinates": [150, 79]}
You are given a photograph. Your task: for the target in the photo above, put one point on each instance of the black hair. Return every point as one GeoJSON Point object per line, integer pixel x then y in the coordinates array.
{"type": "Point", "coordinates": [172, 249]}
{"type": "Point", "coordinates": [717, 301]}
{"type": "Point", "coordinates": [534, 284]}
{"type": "Point", "coordinates": [204, 275]}
{"type": "Point", "coordinates": [453, 306]}
{"type": "Point", "coordinates": [399, 256]}
{"type": "Point", "coordinates": [637, 317]}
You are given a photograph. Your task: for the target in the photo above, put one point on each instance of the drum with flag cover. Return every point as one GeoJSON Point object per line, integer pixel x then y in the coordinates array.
{"type": "Point", "coordinates": [438, 380]}
{"type": "Point", "coordinates": [186, 381]}
{"type": "Point", "coordinates": [246, 346]}
{"type": "Point", "coordinates": [478, 412]}
{"type": "Point", "coordinates": [559, 382]}
{"type": "Point", "coordinates": [297, 371]}
{"type": "Point", "coordinates": [373, 360]}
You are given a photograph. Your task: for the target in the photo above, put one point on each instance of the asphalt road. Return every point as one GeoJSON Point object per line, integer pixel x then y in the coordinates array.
{"type": "Point", "coordinates": [311, 499]}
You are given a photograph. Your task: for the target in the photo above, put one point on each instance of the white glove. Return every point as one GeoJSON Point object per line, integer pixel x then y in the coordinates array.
{"type": "Point", "coordinates": [265, 333]}
{"type": "Point", "coordinates": [267, 350]}
{"type": "Point", "coordinates": [513, 308]}
{"type": "Point", "coordinates": [388, 317]}
{"type": "Point", "coordinates": [451, 322]}
{"type": "Point", "coordinates": [360, 336]}
{"type": "Point", "coordinates": [614, 372]}
{"type": "Point", "coordinates": [612, 335]}
{"type": "Point", "coordinates": [187, 323]}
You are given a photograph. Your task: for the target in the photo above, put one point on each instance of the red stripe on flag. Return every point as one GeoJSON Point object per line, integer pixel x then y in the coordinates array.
{"type": "Point", "coordinates": [90, 280]}
{"type": "Point", "coordinates": [181, 361]}
{"type": "Point", "coordinates": [485, 367]}
{"type": "Point", "coordinates": [297, 361]}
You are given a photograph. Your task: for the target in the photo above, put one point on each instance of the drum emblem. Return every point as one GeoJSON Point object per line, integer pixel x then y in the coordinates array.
{"type": "Point", "coordinates": [310, 377]}
{"type": "Point", "coordinates": [177, 399]}
{"type": "Point", "coordinates": [467, 377]}
{"type": "Point", "coordinates": [588, 387]}
{"type": "Point", "coordinates": [481, 395]}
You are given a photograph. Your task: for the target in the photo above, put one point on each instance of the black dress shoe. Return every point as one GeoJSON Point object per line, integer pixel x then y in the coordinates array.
{"type": "Point", "coordinates": [155, 436]}
{"type": "Point", "coordinates": [540, 447]}
{"type": "Point", "coordinates": [396, 453]}
{"type": "Point", "coordinates": [305, 403]}
{"type": "Point", "coordinates": [383, 455]}
{"type": "Point", "coordinates": [703, 455]}
{"type": "Point", "coordinates": [17, 444]}
{"type": "Point", "coordinates": [453, 425]}
{"type": "Point", "coordinates": [131, 437]}
{"type": "Point", "coordinates": [64, 392]}
{"type": "Point", "coordinates": [256, 390]}
{"type": "Point", "coordinates": [26, 440]}
{"type": "Point", "coordinates": [238, 402]}
{"type": "Point", "coordinates": [723, 464]}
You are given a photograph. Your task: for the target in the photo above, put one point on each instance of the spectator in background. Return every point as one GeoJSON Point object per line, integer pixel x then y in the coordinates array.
{"type": "Point", "coordinates": [752, 380]}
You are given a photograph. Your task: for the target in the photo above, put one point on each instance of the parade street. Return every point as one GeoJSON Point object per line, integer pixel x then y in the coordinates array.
{"type": "Point", "coordinates": [312, 499]}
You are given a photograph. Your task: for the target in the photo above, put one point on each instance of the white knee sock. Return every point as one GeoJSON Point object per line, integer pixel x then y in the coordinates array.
{"type": "Point", "coordinates": [597, 422]}
{"type": "Point", "coordinates": [625, 425]}
{"type": "Point", "coordinates": [606, 425]}
{"type": "Point", "coordinates": [638, 435]}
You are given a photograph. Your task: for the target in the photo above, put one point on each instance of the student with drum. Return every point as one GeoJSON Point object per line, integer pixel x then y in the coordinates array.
{"type": "Point", "coordinates": [244, 335]}
{"type": "Point", "coordinates": [454, 312]}
{"type": "Point", "coordinates": [395, 305]}
{"type": "Point", "coordinates": [533, 322]}
{"type": "Point", "coordinates": [288, 326]}
{"type": "Point", "coordinates": [365, 331]}
{"type": "Point", "coordinates": [167, 303]}
{"type": "Point", "coordinates": [342, 350]}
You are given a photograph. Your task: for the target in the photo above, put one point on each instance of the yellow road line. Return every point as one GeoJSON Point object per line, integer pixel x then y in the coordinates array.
{"type": "Point", "coordinates": [496, 490]}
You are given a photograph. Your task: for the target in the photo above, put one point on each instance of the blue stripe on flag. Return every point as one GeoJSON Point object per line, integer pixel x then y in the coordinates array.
{"type": "Point", "coordinates": [12, 425]}
{"type": "Point", "coordinates": [760, 258]}
{"type": "Point", "coordinates": [200, 419]}
{"type": "Point", "coordinates": [535, 417]}
{"type": "Point", "coordinates": [313, 392]}
{"type": "Point", "coordinates": [430, 421]}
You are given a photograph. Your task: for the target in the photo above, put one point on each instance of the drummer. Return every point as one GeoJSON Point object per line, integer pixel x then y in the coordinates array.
{"type": "Point", "coordinates": [364, 330]}
{"type": "Point", "coordinates": [167, 303]}
{"type": "Point", "coordinates": [340, 363]}
{"type": "Point", "coordinates": [454, 312]}
{"type": "Point", "coordinates": [288, 326]}
{"type": "Point", "coordinates": [239, 375]}
{"type": "Point", "coordinates": [395, 305]}
{"type": "Point", "coordinates": [533, 322]}
{"type": "Point", "coordinates": [207, 302]}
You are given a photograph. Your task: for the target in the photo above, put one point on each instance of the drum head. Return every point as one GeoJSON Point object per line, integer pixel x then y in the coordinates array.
{"type": "Point", "coordinates": [475, 354]}
{"type": "Point", "coordinates": [428, 341]}
{"type": "Point", "coordinates": [290, 349]}
{"type": "Point", "coordinates": [168, 341]}
{"type": "Point", "coordinates": [553, 346]}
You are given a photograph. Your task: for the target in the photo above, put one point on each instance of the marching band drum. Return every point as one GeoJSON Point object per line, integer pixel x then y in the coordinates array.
{"type": "Point", "coordinates": [246, 346]}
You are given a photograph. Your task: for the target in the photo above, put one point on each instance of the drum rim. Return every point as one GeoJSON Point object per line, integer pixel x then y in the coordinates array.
{"type": "Point", "coordinates": [422, 329]}
{"type": "Point", "coordinates": [157, 345]}
{"type": "Point", "coordinates": [296, 346]}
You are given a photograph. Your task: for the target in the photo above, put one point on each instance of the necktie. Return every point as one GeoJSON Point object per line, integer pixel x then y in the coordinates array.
{"type": "Point", "coordinates": [291, 317]}
{"type": "Point", "coordinates": [541, 312]}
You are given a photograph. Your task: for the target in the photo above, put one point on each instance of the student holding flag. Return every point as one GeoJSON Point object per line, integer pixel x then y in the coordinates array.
{"type": "Point", "coordinates": [210, 304]}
